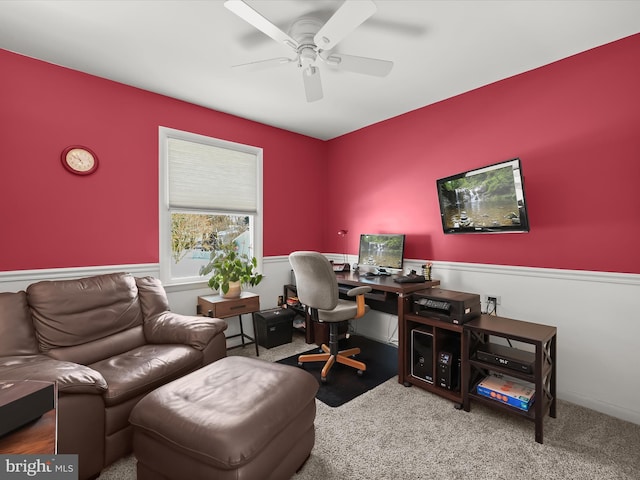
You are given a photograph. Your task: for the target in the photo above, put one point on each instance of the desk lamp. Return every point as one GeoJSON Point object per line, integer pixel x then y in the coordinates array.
{"type": "Point", "coordinates": [342, 267]}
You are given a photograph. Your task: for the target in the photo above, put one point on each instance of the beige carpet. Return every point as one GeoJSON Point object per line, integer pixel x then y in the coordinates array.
{"type": "Point", "coordinates": [394, 432]}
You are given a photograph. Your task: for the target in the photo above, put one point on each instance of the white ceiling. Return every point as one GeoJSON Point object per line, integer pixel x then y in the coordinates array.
{"type": "Point", "coordinates": [184, 49]}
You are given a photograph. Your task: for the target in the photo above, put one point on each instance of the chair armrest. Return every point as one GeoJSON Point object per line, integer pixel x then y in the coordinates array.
{"type": "Point", "coordinates": [359, 292]}
{"type": "Point", "coordinates": [169, 327]}
{"type": "Point", "coordinates": [70, 377]}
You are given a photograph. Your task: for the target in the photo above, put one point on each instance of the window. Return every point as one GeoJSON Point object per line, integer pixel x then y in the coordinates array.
{"type": "Point", "coordinates": [210, 195]}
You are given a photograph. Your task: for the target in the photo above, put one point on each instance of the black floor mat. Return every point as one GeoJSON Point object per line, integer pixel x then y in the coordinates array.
{"type": "Point", "coordinates": [343, 383]}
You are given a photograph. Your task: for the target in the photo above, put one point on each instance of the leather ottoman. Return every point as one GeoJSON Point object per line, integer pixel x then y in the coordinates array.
{"type": "Point", "coordinates": [237, 418]}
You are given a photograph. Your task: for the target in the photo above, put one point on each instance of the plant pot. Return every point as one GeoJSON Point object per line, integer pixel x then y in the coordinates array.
{"type": "Point", "coordinates": [235, 289]}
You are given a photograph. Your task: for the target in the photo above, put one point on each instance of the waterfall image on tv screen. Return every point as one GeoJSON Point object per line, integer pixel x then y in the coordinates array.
{"type": "Point", "coordinates": [484, 200]}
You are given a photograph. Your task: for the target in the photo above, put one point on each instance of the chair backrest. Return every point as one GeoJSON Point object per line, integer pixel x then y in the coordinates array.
{"type": "Point", "coordinates": [315, 280]}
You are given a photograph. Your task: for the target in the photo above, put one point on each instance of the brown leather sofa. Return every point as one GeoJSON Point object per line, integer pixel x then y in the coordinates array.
{"type": "Point", "coordinates": [106, 341]}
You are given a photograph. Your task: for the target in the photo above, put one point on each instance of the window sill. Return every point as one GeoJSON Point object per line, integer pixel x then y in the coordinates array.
{"type": "Point", "coordinates": [183, 286]}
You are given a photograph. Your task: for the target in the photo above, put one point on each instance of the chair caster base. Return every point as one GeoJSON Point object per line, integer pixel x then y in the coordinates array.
{"type": "Point", "coordinates": [301, 365]}
{"type": "Point", "coordinates": [360, 373]}
{"type": "Point", "coordinates": [323, 379]}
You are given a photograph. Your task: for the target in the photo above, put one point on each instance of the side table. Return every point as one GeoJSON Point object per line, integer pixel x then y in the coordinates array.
{"type": "Point", "coordinates": [542, 338]}
{"type": "Point", "coordinates": [220, 307]}
{"type": "Point", "coordinates": [30, 407]}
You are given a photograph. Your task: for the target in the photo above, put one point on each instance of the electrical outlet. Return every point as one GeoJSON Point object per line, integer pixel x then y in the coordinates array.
{"type": "Point", "coordinates": [495, 299]}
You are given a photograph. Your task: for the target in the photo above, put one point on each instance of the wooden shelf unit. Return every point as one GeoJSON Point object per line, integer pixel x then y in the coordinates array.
{"type": "Point", "coordinates": [542, 338]}
{"type": "Point", "coordinates": [443, 332]}
{"type": "Point", "coordinates": [290, 291]}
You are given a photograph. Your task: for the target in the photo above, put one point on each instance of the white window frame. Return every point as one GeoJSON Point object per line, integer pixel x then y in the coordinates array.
{"type": "Point", "coordinates": [165, 134]}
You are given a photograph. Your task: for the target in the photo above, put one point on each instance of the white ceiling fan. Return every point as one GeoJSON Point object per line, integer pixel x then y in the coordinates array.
{"type": "Point", "coordinates": [311, 40]}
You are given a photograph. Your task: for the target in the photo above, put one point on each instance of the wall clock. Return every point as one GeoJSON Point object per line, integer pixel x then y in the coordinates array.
{"type": "Point", "coordinates": [79, 160]}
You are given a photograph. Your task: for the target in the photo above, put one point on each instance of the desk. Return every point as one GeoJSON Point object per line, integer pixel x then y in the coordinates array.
{"type": "Point", "coordinates": [216, 306]}
{"type": "Point", "coordinates": [384, 289]}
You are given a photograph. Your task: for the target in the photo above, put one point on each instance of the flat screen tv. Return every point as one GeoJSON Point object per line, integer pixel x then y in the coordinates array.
{"type": "Point", "coordinates": [484, 200]}
{"type": "Point", "coordinates": [381, 250]}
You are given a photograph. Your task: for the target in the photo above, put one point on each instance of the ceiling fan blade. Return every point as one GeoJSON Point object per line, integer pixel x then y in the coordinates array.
{"type": "Point", "coordinates": [252, 17]}
{"type": "Point", "coordinates": [364, 65]}
{"type": "Point", "coordinates": [262, 64]}
{"type": "Point", "coordinates": [312, 83]}
{"type": "Point", "coordinates": [346, 19]}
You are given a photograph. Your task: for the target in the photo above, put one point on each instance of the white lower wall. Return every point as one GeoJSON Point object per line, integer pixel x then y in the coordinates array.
{"type": "Point", "coordinates": [596, 315]}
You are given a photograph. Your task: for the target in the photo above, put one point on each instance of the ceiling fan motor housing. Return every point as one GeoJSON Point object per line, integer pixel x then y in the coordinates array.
{"type": "Point", "coordinates": [303, 31]}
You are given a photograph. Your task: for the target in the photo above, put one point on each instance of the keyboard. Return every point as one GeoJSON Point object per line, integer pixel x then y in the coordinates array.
{"type": "Point", "coordinates": [410, 279]}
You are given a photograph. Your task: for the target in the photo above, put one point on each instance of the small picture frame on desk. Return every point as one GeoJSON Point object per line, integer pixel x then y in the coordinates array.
{"type": "Point", "coordinates": [340, 267]}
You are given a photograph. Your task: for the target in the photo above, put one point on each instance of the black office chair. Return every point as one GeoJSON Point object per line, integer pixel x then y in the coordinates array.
{"type": "Point", "coordinates": [318, 290]}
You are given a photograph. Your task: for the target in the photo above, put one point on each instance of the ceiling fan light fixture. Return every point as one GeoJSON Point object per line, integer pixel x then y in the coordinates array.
{"type": "Point", "coordinates": [307, 55]}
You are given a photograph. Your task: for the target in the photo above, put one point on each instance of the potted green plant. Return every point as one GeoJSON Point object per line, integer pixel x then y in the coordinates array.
{"type": "Point", "coordinates": [230, 270]}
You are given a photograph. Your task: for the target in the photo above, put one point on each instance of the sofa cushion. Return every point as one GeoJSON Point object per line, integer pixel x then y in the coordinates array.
{"type": "Point", "coordinates": [145, 368]}
{"type": "Point", "coordinates": [102, 348]}
{"type": "Point", "coordinates": [153, 298]}
{"type": "Point", "coordinates": [17, 336]}
{"type": "Point", "coordinates": [69, 377]}
{"type": "Point", "coordinates": [73, 312]}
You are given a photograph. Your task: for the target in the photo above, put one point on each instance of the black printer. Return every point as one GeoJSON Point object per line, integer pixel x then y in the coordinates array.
{"type": "Point", "coordinates": [447, 305]}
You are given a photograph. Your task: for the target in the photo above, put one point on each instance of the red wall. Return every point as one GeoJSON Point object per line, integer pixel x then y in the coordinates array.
{"type": "Point", "coordinates": [52, 218]}
{"type": "Point", "coordinates": [575, 124]}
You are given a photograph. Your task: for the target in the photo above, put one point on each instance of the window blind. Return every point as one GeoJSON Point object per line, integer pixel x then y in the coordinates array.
{"type": "Point", "coordinates": [208, 177]}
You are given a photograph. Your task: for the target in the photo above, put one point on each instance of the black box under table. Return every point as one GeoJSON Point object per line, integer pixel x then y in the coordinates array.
{"type": "Point", "coordinates": [274, 327]}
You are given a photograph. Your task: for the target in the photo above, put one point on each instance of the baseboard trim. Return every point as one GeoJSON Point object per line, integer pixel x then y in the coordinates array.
{"type": "Point", "coordinates": [603, 407]}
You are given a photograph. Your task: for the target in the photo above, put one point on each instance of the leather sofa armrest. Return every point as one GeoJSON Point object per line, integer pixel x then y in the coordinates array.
{"type": "Point", "coordinates": [169, 327]}
{"type": "Point", "coordinates": [70, 377]}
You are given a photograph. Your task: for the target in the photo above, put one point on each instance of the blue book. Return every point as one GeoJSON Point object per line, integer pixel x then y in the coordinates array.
{"type": "Point", "coordinates": [504, 390]}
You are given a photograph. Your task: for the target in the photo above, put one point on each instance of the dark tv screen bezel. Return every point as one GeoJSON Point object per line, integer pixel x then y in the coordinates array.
{"type": "Point", "coordinates": [390, 235]}
{"type": "Point", "coordinates": [522, 227]}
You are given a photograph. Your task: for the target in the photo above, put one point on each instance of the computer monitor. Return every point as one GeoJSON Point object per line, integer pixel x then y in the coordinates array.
{"type": "Point", "coordinates": [383, 250]}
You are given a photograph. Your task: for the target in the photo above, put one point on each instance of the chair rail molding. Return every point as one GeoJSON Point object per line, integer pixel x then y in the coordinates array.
{"type": "Point", "coordinates": [20, 279]}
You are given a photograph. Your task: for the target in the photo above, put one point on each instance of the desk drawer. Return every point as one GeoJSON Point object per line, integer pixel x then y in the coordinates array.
{"type": "Point", "coordinates": [230, 307]}
{"type": "Point", "coordinates": [237, 307]}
